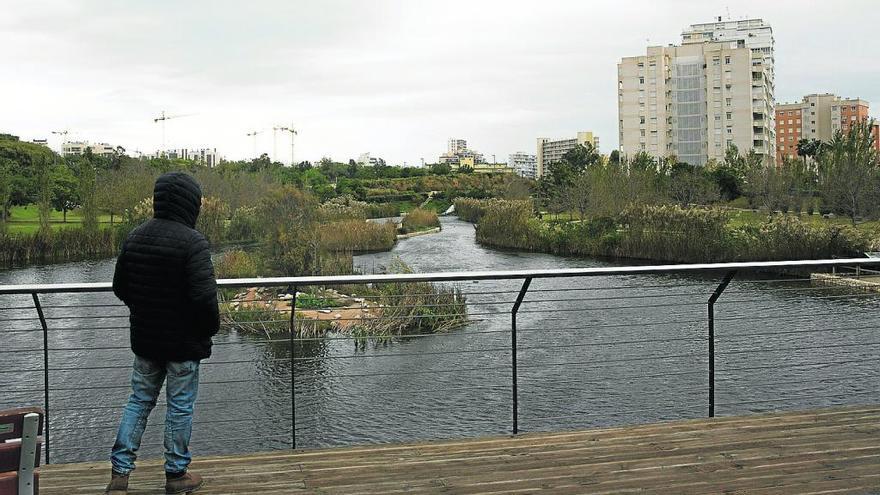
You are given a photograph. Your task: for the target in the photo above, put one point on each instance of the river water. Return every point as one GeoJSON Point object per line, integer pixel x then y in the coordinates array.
{"type": "Point", "coordinates": [591, 352]}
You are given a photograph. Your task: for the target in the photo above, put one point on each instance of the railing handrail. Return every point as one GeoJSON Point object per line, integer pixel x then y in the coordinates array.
{"type": "Point", "coordinates": [461, 276]}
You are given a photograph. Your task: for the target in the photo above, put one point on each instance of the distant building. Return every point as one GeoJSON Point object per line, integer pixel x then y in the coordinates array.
{"type": "Point", "coordinates": [456, 145]}
{"type": "Point", "coordinates": [204, 156]}
{"type": "Point", "coordinates": [75, 148]}
{"type": "Point", "coordinates": [493, 168]}
{"type": "Point", "coordinates": [550, 151]}
{"type": "Point", "coordinates": [817, 116]}
{"type": "Point", "coordinates": [697, 99]}
{"type": "Point", "coordinates": [365, 160]}
{"type": "Point", "coordinates": [456, 150]}
{"type": "Point", "coordinates": [523, 164]}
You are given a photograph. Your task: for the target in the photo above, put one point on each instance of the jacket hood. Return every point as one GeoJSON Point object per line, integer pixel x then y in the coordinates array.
{"type": "Point", "coordinates": [177, 196]}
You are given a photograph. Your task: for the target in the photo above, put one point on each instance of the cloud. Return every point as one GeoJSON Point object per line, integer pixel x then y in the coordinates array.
{"type": "Point", "coordinates": [395, 78]}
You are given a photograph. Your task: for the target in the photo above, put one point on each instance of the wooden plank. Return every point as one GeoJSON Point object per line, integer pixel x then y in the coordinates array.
{"type": "Point", "coordinates": [826, 451]}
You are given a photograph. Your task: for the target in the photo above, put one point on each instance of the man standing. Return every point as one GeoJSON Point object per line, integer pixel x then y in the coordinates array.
{"type": "Point", "coordinates": [165, 276]}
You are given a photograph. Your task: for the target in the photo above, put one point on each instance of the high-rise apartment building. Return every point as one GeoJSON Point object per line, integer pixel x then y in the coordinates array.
{"type": "Point", "coordinates": [523, 164]}
{"type": "Point", "coordinates": [456, 149]}
{"type": "Point", "coordinates": [695, 100]}
{"type": "Point", "coordinates": [454, 146]}
{"type": "Point", "coordinates": [205, 156]}
{"type": "Point", "coordinates": [817, 116]}
{"type": "Point", "coordinates": [551, 150]}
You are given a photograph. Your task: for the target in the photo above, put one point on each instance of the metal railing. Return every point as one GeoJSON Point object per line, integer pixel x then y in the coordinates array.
{"type": "Point", "coordinates": [540, 350]}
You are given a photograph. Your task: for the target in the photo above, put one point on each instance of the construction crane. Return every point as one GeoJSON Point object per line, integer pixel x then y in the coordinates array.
{"type": "Point", "coordinates": [63, 135]}
{"type": "Point", "coordinates": [162, 118]}
{"type": "Point", "coordinates": [254, 135]}
{"type": "Point", "coordinates": [293, 133]}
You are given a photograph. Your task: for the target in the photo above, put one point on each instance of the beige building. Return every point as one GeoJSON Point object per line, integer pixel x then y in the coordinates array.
{"type": "Point", "coordinates": [694, 100]}
{"type": "Point", "coordinates": [550, 150]}
{"type": "Point", "coordinates": [816, 116]}
{"type": "Point", "coordinates": [456, 151]}
{"type": "Point", "coordinates": [74, 148]}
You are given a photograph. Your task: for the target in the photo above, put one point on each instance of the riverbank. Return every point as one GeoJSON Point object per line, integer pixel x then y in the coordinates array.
{"type": "Point", "coordinates": [665, 233]}
{"type": "Point", "coordinates": [435, 230]}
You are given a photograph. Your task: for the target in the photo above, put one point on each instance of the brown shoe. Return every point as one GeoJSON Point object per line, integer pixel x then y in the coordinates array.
{"type": "Point", "coordinates": [187, 483]}
{"type": "Point", "coordinates": [118, 484]}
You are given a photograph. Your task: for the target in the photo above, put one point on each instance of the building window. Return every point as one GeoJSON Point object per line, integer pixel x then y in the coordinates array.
{"type": "Point", "coordinates": [641, 80]}
{"type": "Point", "coordinates": [728, 101]}
{"type": "Point", "coordinates": [728, 115]}
{"type": "Point", "coordinates": [641, 119]}
{"type": "Point", "coordinates": [727, 59]}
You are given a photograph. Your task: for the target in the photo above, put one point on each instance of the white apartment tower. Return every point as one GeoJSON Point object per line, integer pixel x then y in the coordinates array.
{"type": "Point", "coordinates": [552, 150]}
{"type": "Point", "coordinates": [523, 164]}
{"type": "Point", "coordinates": [454, 146]}
{"type": "Point", "coordinates": [695, 100]}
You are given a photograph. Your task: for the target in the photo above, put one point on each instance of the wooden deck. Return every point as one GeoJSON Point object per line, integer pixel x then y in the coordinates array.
{"type": "Point", "coordinates": [826, 451]}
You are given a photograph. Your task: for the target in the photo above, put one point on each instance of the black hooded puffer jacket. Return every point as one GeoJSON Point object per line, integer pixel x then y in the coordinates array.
{"type": "Point", "coordinates": [165, 276]}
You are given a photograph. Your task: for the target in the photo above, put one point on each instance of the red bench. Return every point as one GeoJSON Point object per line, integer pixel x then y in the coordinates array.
{"type": "Point", "coordinates": [20, 431]}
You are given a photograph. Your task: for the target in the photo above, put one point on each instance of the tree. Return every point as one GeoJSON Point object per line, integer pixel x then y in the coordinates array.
{"type": "Point", "coordinates": [440, 169]}
{"type": "Point", "coordinates": [576, 195]}
{"type": "Point", "coordinates": [689, 185]}
{"type": "Point", "coordinates": [65, 195]}
{"type": "Point", "coordinates": [581, 157]}
{"type": "Point", "coordinates": [848, 172]}
{"type": "Point", "coordinates": [87, 191]}
{"type": "Point", "coordinates": [614, 157]}
{"type": "Point", "coordinates": [809, 148]}
{"type": "Point", "coordinates": [5, 190]}
{"type": "Point", "coordinates": [728, 182]}
{"type": "Point", "coordinates": [643, 162]}
{"type": "Point", "coordinates": [44, 193]}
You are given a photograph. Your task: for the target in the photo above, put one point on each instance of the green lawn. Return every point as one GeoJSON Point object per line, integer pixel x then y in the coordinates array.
{"type": "Point", "coordinates": [739, 218]}
{"type": "Point", "coordinates": [26, 219]}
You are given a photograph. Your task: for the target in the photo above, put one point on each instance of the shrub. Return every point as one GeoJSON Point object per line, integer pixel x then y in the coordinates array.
{"type": "Point", "coordinates": [510, 224]}
{"type": "Point", "coordinates": [419, 219]}
{"type": "Point", "coordinates": [212, 220]}
{"type": "Point", "coordinates": [58, 245]}
{"type": "Point", "coordinates": [244, 225]}
{"type": "Point", "coordinates": [786, 237]}
{"type": "Point", "coordinates": [358, 235]}
{"type": "Point", "coordinates": [673, 233]}
{"type": "Point", "coordinates": [237, 264]}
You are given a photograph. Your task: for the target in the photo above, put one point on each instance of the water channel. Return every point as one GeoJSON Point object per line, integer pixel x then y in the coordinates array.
{"type": "Point", "coordinates": [591, 352]}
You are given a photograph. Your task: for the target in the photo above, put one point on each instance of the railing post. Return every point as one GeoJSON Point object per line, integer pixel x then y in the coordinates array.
{"type": "Point", "coordinates": [45, 371]}
{"type": "Point", "coordinates": [515, 390]}
{"type": "Point", "coordinates": [293, 370]}
{"type": "Point", "coordinates": [711, 306]}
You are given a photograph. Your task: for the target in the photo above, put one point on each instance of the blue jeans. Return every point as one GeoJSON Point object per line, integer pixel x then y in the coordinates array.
{"type": "Point", "coordinates": [146, 382]}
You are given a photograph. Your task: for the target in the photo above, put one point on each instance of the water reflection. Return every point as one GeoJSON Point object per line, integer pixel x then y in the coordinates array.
{"type": "Point", "coordinates": [606, 350]}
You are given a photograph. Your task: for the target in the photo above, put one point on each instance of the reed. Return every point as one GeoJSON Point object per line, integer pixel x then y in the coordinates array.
{"type": "Point", "coordinates": [357, 235]}
{"type": "Point", "coordinates": [418, 220]}
{"type": "Point", "coordinates": [57, 246]}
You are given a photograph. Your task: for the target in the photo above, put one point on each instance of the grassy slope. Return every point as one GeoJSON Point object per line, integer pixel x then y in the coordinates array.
{"type": "Point", "coordinates": [26, 219]}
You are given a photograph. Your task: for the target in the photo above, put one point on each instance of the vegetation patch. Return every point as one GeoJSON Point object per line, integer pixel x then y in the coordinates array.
{"type": "Point", "coordinates": [418, 220]}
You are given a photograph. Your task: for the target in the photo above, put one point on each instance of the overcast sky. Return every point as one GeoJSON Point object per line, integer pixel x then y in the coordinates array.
{"type": "Point", "coordinates": [393, 78]}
